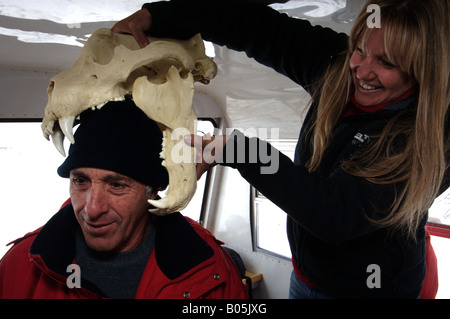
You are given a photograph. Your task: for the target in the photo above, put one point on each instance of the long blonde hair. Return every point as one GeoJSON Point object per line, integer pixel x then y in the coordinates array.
{"type": "Point", "coordinates": [416, 39]}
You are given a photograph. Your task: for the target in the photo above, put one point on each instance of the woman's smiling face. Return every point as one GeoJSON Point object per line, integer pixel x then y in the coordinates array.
{"type": "Point", "coordinates": [375, 78]}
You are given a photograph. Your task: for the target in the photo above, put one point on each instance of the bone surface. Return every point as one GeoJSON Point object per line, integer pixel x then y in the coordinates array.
{"type": "Point", "coordinates": [160, 77]}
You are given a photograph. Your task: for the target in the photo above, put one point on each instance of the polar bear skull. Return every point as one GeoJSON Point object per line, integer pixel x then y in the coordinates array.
{"type": "Point", "coordinates": [160, 77]}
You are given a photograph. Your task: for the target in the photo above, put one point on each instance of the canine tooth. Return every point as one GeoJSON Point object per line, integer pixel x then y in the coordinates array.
{"type": "Point", "coordinates": [66, 124]}
{"type": "Point", "coordinates": [58, 139]}
{"type": "Point", "coordinates": [161, 206]}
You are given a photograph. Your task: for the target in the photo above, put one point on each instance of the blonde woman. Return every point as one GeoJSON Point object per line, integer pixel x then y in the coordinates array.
{"type": "Point", "coordinates": [374, 149]}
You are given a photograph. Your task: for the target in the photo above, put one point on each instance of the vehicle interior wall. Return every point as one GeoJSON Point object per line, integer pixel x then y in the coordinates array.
{"type": "Point", "coordinates": [230, 221]}
{"type": "Point", "coordinates": [24, 93]}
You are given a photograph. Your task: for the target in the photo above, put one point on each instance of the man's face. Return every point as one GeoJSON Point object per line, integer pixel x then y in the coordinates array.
{"type": "Point", "coordinates": [111, 208]}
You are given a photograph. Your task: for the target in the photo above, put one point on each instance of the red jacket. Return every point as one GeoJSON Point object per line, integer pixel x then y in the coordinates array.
{"type": "Point", "coordinates": [187, 262]}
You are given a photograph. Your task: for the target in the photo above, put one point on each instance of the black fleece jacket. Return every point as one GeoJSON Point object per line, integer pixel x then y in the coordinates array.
{"type": "Point", "coordinates": [331, 238]}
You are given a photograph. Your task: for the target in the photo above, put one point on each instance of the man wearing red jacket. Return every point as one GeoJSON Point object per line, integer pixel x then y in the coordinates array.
{"type": "Point", "coordinates": [104, 243]}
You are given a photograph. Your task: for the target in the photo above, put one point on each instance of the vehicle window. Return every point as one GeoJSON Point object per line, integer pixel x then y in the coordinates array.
{"type": "Point", "coordinates": [439, 212]}
{"type": "Point", "coordinates": [31, 190]}
{"type": "Point", "coordinates": [270, 228]}
{"type": "Point", "coordinates": [268, 220]}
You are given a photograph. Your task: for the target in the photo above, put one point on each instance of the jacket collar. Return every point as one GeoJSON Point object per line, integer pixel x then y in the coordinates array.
{"type": "Point", "coordinates": [178, 247]}
{"type": "Point", "coordinates": [55, 242]}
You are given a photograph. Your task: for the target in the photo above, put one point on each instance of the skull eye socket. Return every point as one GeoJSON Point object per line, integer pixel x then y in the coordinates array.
{"type": "Point", "coordinates": [102, 55]}
{"type": "Point", "coordinates": [102, 48]}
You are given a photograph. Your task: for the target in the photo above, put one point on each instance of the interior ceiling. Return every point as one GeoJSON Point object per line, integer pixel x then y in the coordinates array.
{"type": "Point", "coordinates": [47, 36]}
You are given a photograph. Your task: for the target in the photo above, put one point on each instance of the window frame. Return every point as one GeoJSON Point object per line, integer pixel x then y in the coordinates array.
{"type": "Point", "coordinates": [286, 146]}
{"type": "Point", "coordinates": [440, 230]}
{"type": "Point", "coordinates": [255, 198]}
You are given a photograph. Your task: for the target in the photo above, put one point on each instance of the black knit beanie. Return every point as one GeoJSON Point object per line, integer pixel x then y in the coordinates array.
{"type": "Point", "coordinates": [120, 138]}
